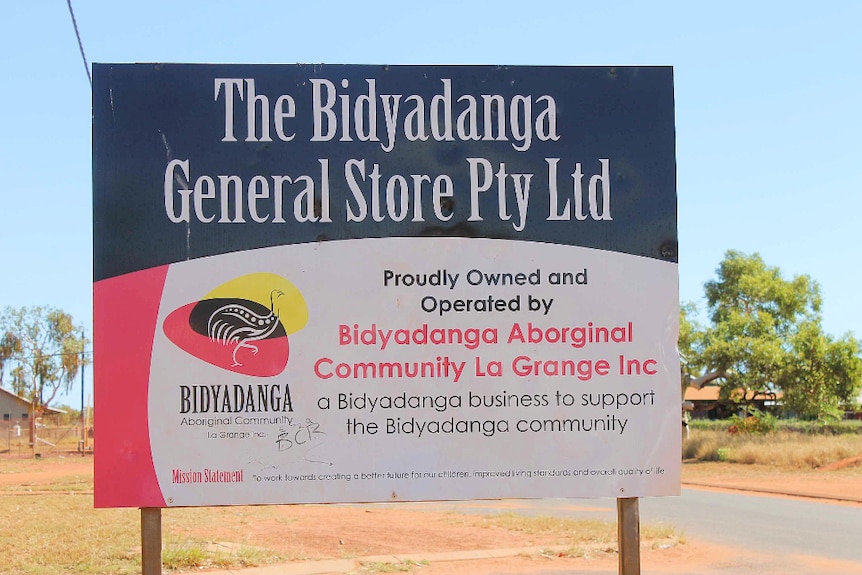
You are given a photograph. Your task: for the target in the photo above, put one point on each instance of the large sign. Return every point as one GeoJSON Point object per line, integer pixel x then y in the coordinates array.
{"type": "Point", "coordinates": [375, 283]}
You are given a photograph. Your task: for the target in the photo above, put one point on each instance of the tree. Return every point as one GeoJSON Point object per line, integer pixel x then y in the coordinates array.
{"type": "Point", "coordinates": [822, 376]}
{"type": "Point", "coordinates": [43, 350]}
{"type": "Point", "coordinates": [766, 336]}
{"type": "Point", "coordinates": [690, 343]}
{"type": "Point", "coordinates": [10, 345]}
{"type": "Point", "coordinates": [754, 313]}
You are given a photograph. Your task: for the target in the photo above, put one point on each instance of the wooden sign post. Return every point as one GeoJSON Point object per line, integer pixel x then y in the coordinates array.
{"type": "Point", "coordinates": [628, 535]}
{"type": "Point", "coordinates": [151, 541]}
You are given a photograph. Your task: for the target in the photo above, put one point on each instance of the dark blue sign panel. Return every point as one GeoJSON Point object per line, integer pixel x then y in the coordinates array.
{"type": "Point", "coordinates": [197, 160]}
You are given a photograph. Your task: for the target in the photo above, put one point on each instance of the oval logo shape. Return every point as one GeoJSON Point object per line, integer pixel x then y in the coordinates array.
{"type": "Point", "coordinates": [242, 325]}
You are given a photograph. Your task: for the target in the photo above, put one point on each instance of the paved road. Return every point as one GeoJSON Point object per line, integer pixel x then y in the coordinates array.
{"type": "Point", "coordinates": [777, 525]}
{"type": "Point", "coordinates": [798, 532]}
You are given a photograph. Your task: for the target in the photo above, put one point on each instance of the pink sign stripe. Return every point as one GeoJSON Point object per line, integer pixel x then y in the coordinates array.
{"type": "Point", "coordinates": [126, 309]}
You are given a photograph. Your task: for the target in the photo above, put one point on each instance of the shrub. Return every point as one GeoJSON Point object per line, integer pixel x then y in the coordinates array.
{"type": "Point", "coordinates": [757, 422]}
{"type": "Point", "coordinates": [724, 453]}
{"type": "Point", "coordinates": [845, 427]}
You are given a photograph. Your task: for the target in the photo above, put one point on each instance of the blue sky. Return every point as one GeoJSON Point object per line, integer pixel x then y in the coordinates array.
{"type": "Point", "coordinates": [768, 112]}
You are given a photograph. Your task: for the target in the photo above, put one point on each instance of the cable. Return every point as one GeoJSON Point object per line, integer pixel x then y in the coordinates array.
{"type": "Point", "coordinates": [80, 44]}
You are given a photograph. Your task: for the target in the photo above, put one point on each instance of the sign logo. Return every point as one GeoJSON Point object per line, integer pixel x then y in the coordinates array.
{"type": "Point", "coordinates": [242, 325]}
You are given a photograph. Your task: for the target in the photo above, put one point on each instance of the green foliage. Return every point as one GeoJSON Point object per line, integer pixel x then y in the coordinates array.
{"type": "Point", "coordinates": [756, 422]}
{"type": "Point", "coordinates": [821, 377]}
{"type": "Point", "coordinates": [690, 344]}
{"type": "Point", "coordinates": [797, 426]}
{"type": "Point", "coordinates": [185, 555]}
{"type": "Point", "coordinates": [753, 310]}
{"type": "Point", "coordinates": [746, 286]}
{"type": "Point", "coordinates": [724, 453]}
{"type": "Point", "coordinates": [43, 350]}
{"type": "Point", "coordinates": [844, 427]}
{"type": "Point", "coordinates": [766, 337]}
{"type": "Point", "coordinates": [10, 346]}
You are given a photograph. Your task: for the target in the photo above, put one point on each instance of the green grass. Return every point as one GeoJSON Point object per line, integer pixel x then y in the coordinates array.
{"type": "Point", "coordinates": [846, 427]}
{"type": "Point", "coordinates": [183, 555]}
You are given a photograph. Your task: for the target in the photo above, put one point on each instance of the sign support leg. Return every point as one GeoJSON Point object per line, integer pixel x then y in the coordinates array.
{"type": "Point", "coordinates": [628, 535]}
{"type": "Point", "coordinates": [151, 541]}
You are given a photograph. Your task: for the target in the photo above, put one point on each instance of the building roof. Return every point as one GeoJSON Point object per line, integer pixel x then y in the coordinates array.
{"type": "Point", "coordinates": [26, 402]}
{"type": "Point", "coordinates": [711, 392]}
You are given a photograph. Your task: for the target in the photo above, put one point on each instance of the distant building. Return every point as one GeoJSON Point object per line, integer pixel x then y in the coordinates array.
{"type": "Point", "coordinates": [706, 402]}
{"type": "Point", "coordinates": [15, 410]}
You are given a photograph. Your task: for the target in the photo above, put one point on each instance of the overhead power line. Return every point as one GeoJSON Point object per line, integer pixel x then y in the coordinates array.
{"type": "Point", "coordinates": [80, 44]}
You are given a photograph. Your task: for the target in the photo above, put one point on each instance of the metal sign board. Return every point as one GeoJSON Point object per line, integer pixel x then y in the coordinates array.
{"type": "Point", "coordinates": [333, 283]}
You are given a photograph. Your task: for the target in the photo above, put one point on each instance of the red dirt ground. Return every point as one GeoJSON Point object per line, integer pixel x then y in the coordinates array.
{"type": "Point", "coordinates": [336, 532]}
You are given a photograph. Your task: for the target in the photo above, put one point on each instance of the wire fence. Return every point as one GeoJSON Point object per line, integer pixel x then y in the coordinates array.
{"type": "Point", "coordinates": [51, 441]}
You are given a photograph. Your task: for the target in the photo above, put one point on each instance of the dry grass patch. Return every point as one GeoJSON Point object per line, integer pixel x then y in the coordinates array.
{"type": "Point", "coordinates": [71, 484]}
{"type": "Point", "coordinates": [407, 566]}
{"type": "Point", "coordinates": [13, 465]}
{"type": "Point", "coordinates": [584, 537]}
{"type": "Point", "coordinates": [60, 534]}
{"type": "Point", "coordinates": [783, 449]}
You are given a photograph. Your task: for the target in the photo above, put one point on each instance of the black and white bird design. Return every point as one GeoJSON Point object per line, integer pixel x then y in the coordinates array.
{"type": "Point", "coordinates": [240, 322]}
